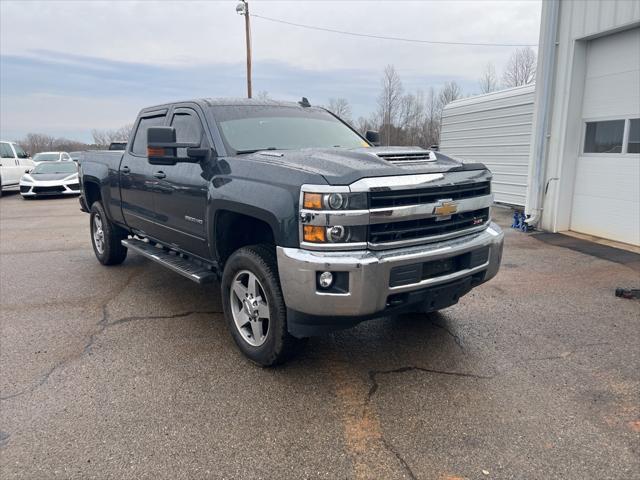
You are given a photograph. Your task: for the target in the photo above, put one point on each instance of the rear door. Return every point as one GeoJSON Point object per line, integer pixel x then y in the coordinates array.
{"type": "Point", "coordinates": [137, 183]}
{"type": "Point", "coordinates": [181, 192]}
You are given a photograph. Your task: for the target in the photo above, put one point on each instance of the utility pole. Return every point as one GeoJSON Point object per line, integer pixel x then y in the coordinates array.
{"type": "Point", "coordinates": [243, 9]}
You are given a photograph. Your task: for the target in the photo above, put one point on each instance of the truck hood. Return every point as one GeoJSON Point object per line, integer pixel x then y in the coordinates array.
{"type": "Point", "coordinates": [341, 166]}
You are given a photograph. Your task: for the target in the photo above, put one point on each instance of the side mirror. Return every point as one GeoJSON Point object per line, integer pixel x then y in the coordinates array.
{"type": "Point", "coordinates": [27, 171]}
{"type": "Point", "coordinates": [162, 148]}
{"type": "Point", "coordinates": [372, 137]}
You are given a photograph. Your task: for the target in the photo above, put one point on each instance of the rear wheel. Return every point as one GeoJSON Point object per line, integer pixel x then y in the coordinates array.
{"type": "Point", "coordinates": [106, 237]}
{"type": "Point", "coordinates": [254, 306]}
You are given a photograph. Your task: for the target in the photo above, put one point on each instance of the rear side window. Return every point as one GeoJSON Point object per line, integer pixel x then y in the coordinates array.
{"type": "Point", "coordinates": [140, 140]}
{"type": "Point", "coordinates": [604, 137]}
{"type": "Point", "coordinates": [5, 150]}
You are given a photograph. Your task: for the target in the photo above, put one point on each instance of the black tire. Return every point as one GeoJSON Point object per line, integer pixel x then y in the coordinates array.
{"type": "Point", "coordinates": [260, 260]}
{"type": "Point", "coordinates": [112, 251]}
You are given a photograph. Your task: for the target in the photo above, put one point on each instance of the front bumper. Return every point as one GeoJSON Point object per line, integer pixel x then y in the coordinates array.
{"type": "Point", "coordinates": [370, 289]}
{"type": "Point", "coordinates": [51, 187]}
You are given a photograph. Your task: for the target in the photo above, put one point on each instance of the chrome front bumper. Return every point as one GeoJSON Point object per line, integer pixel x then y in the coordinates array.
{"type": "Point", "coordinates": [369, 273]}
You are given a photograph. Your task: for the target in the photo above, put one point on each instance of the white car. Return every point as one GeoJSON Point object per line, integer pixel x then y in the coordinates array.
{"type": "Point", "coordinates": [51, 178]}
{"type": "Point", "coordinates": [13, 163]}
{"type": "Point", "coordinates": [51, 157]}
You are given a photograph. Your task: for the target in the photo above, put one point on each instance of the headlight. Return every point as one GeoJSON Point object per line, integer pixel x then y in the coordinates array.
{"type": "Point", "coordinates": [334, 234]}
{"type": "Point", "coordinates": [334, 201]}
{"type": "Point", "coordinates": [73, 176]}
{"type": "Point", "coordinates": [26, 179]}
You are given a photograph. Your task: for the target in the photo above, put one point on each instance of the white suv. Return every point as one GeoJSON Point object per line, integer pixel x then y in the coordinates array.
{"type": "Point", "coordinates": [14, 161]}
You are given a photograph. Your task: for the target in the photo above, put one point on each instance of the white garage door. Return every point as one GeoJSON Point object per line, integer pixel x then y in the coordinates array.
{"type": "Point", "coordinates": [606, 199]}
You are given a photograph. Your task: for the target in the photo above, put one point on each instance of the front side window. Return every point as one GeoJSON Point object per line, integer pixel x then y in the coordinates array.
{"type": "Point", "coordinates": [140, 140]}
{"type": "Point", "coordinates": [188, 129]}
{"type": "Point", "coordinates": [604, 137]}
{"type": "Point", "coordinates": [246, 129]}
{"type": "Point", "coordinates": [633, 146]}
{"type": "Point", "coordinates": [20, 152]}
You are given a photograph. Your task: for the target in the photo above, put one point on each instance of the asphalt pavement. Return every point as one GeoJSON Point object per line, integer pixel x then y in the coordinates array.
{"type": "Point", "coordinates": [130, 372]}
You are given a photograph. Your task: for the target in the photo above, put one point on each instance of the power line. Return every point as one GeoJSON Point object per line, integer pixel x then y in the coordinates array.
{"type": "Point", "coordinates": [397, 39]}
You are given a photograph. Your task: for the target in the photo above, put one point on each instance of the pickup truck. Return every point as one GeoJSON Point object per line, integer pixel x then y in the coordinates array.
{"type": "Point", "coordinates": [308, 226]}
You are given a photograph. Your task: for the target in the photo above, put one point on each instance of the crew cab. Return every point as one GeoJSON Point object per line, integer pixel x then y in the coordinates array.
{"type": "Point", "coordinates": [308, 226]}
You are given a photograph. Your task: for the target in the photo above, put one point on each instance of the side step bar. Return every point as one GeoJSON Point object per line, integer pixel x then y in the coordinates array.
{"type": "Point", "coordinates": [185, 267]}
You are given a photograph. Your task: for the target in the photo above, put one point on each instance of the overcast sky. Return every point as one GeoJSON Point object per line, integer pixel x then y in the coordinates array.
{"type": "Point", "coordinates": [69, 66]}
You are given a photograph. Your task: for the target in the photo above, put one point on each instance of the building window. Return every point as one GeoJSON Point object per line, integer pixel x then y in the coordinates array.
{"type": "Point", "coordinates": [604, 137]}
{"type": "Point", "coordinates": [633, 145]}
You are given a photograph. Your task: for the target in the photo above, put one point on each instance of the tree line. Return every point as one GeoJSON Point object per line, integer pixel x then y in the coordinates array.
{"type": "Point", "coordinates": [412, 119]}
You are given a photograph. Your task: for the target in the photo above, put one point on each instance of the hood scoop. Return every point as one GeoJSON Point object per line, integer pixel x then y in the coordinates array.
{"type": "Point", "coordinates": [407, 157]}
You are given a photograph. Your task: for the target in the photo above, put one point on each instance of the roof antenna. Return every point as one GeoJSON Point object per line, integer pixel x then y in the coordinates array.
{"type": "Point", "coordinates": [304, 102]}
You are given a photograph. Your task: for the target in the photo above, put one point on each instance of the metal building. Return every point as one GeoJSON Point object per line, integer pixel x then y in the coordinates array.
{"type": "Point", "coordinates": [584, 155]}
{"type": "Point", "coordinates": [494, 129]}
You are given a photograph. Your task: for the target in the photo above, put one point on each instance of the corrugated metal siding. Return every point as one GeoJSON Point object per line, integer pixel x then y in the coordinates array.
{"type": "Point", "coordinates": [494, 129]}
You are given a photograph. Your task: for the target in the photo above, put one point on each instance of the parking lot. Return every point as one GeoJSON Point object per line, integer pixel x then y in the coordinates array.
{"type": "Point", "coordinates": [130, 372]}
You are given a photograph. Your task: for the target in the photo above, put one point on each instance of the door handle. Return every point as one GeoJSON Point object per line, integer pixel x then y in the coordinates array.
{"type": "Point", "coordinates": [160, 174]}
{"type": "Point", "coordinates": [125, 169]}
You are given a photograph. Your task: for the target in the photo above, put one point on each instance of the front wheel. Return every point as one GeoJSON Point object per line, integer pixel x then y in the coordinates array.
{"type": "Point", "coordinates": [106, 237]}
{"type": "Point", "coordinates": [254, 306]}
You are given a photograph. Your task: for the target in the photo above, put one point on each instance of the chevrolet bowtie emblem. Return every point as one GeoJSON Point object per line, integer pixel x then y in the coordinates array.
{"type": "Point", "coordinates": [445, 207]}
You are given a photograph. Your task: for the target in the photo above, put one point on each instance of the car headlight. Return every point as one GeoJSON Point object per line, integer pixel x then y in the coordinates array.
{"type": "Point", "coordinates": [26, 179]}
{"type": "Point", "coordinates": [71, 177]}
{"type": "Point", "coordinates": [334, 201]}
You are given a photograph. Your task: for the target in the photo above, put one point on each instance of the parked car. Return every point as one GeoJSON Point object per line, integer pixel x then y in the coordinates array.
{"type": "Point", "coordinates": [119, 145]}
{"type": "Point", "coordinates": [51, 157]}
{"type": "Point", "coordinates": [308, 226]}
{"type": "Point", "coordinates": [13, 163]}
{"type": "Point", "coordinates": [75, 156]}
{"type": "Point", "coordinates": [51, 178]}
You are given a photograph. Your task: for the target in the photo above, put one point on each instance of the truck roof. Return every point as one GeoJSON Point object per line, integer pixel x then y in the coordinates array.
{"type": "Point", "coordinates": [229, 102]}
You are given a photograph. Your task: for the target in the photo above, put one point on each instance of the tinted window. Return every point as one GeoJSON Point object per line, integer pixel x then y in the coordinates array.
{"type": "Point", "coordinates": [140, 140]}
{"type": "Point", "coordinates": [5, 150]}
{"type": "Point", "coordinates": [188, 129]}
{"type": "Point", "coordinates": [604, 137]}
{"type": "Point", "coordinates": [634, 136]}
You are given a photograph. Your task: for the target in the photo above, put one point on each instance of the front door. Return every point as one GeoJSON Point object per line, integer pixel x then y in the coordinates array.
{"type": "Point", "coordinates": [11, 169]}
{"type": "Point", "coordinates": [137, 183]}
{"type": "Point", "coordinates": [181, 191]}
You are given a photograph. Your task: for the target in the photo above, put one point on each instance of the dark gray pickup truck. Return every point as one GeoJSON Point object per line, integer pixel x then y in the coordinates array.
{"type": "Point", "coordinates": [308, 226]}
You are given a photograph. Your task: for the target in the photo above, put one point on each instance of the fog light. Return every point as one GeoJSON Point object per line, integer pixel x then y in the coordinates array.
{"type": "Point", "coordinates": [326, 279]}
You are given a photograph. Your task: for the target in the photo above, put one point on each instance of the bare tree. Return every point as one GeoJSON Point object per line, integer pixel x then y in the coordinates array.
{"type": "Point", "coordinates": [40, 142]}
{"type": "Point", "coordinates": [488, 81]}
{"type": "Point", "coordinates": [263, 95]}
{"type": "Point", "coordinates": [103, 138]}
{"type": "Point", "coordinates": [521, 68]}
{"type": "Point", "coordinates": [389, 102]}
{"type": "Point", "coordinates": [431, 124]}
{"type": "Point", "coordinates": [341, 108]}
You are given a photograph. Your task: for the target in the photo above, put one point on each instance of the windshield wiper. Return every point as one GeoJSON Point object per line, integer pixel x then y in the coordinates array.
{"type": "Point", "coordinates": [243, 152]}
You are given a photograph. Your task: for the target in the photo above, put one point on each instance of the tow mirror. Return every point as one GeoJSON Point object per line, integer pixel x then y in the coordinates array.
{"type": "Point", "coordinates": [162, 148]}
{"type": "Point", "coordinates": [373, 137]}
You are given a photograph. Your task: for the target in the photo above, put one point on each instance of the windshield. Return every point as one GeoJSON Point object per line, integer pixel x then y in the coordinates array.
{"type": "Point", "coordinates": [246, 129]}
{"type": "Point", "coordinates": [57, 167]}
{"type": "Point", "coordinates": [46, 157]}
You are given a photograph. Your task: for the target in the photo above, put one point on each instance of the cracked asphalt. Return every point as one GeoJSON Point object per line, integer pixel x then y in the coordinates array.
{"type": "Point", "coordinates": [129, 372]}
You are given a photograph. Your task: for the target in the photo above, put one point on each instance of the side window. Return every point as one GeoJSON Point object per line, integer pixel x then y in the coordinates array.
{"type": "Point", "coordinates": [20, 152]}
{"type": "Point", "coordinates": [188, 129]}
{"type": "Point", "coordinates": [140, 139]}
{"type": "Point", "coordinates": [604, 137]}
{"type": "Point", "coordinates": [65, 156]}
{"type": "Point", "coordinates": [5, 150]}
{"type": "Point", "coordinates": [634, 136]}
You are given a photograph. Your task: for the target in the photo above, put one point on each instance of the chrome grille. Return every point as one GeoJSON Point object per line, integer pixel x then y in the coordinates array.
{"type": "Point", "coordinates": [425, 227]}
